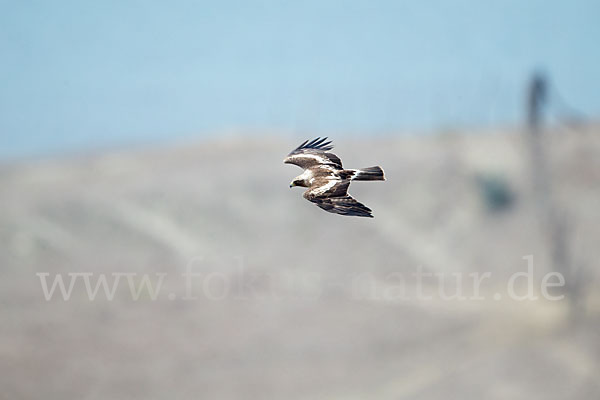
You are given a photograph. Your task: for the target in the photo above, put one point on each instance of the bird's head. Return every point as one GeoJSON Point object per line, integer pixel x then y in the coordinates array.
{"type": "Point", "coordinates": [297, 182]}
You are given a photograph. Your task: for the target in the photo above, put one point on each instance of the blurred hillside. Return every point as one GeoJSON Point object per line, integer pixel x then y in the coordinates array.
{"type": "Point", "coordinates": [454, 202]}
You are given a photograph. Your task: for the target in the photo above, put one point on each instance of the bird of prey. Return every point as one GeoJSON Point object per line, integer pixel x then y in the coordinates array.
{"type": "Point", "coordinates": [327, 181]}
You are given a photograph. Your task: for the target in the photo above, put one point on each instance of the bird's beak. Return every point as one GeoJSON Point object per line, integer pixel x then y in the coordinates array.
{"type": "Point", "coordinates": [292, 185]}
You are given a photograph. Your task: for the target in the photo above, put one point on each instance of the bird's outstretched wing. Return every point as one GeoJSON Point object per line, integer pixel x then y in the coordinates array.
{"type": "Point", "coordinates": [345, 205]}
{"type": "Point", "coordinates": [313, 153]}
{"type": "Point", "coordinates": [331, 194]}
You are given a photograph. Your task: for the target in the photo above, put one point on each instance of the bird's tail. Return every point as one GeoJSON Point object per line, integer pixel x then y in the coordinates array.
{"type": "Point", "coordinates": [368, 174]}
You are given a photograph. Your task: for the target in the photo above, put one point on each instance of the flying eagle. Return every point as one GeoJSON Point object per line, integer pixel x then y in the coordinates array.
{"type": "Point", "coordinates": [327, 181]}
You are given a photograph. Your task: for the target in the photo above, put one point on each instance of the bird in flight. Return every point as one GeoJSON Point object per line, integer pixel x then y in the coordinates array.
{"type": "Point", "coordinates": [327, 181]}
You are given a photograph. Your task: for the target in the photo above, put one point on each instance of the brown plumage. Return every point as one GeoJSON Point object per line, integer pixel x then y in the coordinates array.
{"type": "Point", "coordinates": [327, 181]}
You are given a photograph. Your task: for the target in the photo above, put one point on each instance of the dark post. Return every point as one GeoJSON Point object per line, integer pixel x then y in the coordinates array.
{"type": "Point", "coordinates": [553, 221]}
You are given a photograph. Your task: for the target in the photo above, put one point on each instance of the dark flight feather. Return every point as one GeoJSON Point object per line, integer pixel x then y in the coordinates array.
{"type": "Point", "coordinates": [346, 205]}
{"type": "Point", "coordinates": [315, 144]}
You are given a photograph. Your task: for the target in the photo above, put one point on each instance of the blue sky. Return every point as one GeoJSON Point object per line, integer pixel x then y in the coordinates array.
{"type": "Point", "coordinates": [87, 74]}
